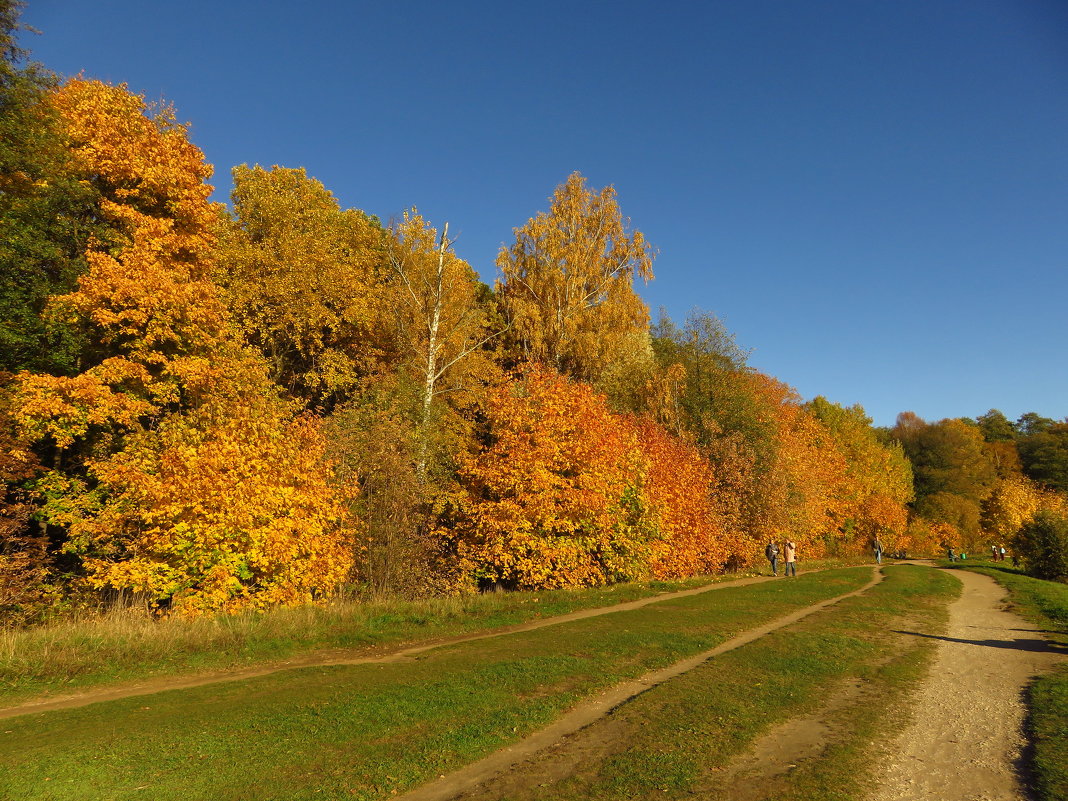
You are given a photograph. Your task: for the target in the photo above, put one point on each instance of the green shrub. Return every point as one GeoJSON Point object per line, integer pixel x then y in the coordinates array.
{"type": "Point", "coordinates": [1043, 544]}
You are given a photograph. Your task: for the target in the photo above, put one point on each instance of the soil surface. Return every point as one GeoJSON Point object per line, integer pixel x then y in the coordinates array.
{"type": "Point", "coordinates": [337, 656]}
{"type": "Point", "coordinates": [765, 768]}
{"type": "Point", "coordinates": [966, 740]}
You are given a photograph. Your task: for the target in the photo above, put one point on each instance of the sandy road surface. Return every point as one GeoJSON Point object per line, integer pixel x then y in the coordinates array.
{"type": "Point", "coordinates": [966, 739]}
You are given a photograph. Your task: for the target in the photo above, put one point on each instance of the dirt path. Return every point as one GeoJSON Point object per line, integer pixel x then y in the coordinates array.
{"type": "Point", "coordinates": [966, 741]}
{"type": "Point", "coordinates": [334, 657]}
{"type": "Point", "coordinates": [471, 777]}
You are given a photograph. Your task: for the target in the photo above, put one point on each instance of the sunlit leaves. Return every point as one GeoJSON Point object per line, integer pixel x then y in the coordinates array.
{"type": "Point", "coordinates": [189, 483]}
{"type": "Point", "coordinates": [223, 509]}
{"type": "Point", "coordinates": [442, 319]}
{"type": "Point", "coordinates": [692, 535]}
{"type": "Point", "coordinates": [569, 493]}
{"type": "Point", "coordinates": [305, 279]}
{"type": "Point", "coordinates": [877, 480]}
{"type": "Point", "coordinates": [567, 284]}
{"type": "Point", "coordinates": [554, 500]}
{"type": "Point", "coordinates": [1015, 501]}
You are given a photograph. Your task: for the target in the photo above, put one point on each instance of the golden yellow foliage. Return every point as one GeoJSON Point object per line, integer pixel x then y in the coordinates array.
{"type": "Point", "coordinates": [306, 280]}
{"type": "Point", "coordinates": [876, 486]}
{"type": "Point", "coordinates": [1015, 501]}
{"type": "Point", "coordinates": [222, 509]}
{"type": "Point", "coordinates": [191, 484]}
{"type": "Point", "coordinates": [441, 319]}
{"type": "Point", "coordinates": [567, 284]}
{"type": "Point", "coordinates": [141, 159]}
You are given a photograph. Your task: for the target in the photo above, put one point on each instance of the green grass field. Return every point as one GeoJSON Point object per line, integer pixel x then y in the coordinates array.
{"type": "Point", "coordinates": [367, 731]}
{"type": "Point", "coordinates": [79, 654]}
{"type": "Point", "coordinates": [679, 739]}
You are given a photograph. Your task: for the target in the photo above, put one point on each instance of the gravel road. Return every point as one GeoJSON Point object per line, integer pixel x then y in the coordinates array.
{"type": "Point", "coordinates": [966, 740]}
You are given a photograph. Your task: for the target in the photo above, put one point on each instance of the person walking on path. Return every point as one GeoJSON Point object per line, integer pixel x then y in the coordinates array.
{"type": "Point", "coordinates": [790, 555]}
{"type": "Point", "coordinates": [772, 552]}
{"type": "Point", "coordinates": [877, 547]}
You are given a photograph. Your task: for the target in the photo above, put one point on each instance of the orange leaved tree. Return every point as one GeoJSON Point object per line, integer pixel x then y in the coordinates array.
{"type": "Point", "coordinates": [554, 500]}
{"type": "Point", "coordinates": [690, 533]}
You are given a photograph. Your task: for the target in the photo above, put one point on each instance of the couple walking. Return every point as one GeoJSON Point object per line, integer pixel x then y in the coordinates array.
{"type": "Point", "coordinates": [789, 552]}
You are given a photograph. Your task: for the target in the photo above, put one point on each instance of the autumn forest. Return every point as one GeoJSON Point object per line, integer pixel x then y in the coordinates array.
{"type": "Point", "coordinates": [210, 407]}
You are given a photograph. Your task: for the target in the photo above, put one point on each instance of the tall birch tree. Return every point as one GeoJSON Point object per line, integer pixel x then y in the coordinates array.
{"type": "Point", "coordinates": [441, 315]}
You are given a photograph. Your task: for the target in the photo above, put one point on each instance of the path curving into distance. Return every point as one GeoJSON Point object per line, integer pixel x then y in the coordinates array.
{"type": "Point", "coordinates": [479, 773]}
{"type": "Point", "coordinates": [966, 740]}
{"type": "Point", "coordinates": [336, 657]}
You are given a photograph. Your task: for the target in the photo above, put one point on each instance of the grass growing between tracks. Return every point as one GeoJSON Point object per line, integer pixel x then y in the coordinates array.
{"type": "Point", "coordinates": [683, 739]}
{"type": "Point", "coordinates": [1045, 603]}
{"type": "Point", "coordinates": [368, 731]}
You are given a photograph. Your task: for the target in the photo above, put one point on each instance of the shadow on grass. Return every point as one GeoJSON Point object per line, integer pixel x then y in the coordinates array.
{"type": "Point", "coordinates": [1031, 644]}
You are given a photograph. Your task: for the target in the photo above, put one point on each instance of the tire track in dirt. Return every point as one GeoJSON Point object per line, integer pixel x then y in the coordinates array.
{"type": "Point", "coordinates": [338, 656]}
{"type": "Point", "coordinates": [966, 740]}
{"type": "Point", "coordinates": [479, 773]}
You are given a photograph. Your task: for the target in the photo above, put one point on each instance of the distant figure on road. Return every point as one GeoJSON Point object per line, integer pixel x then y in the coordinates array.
{"type": "Point", "coordinates": [772, 552]}
{"type": "Point", "coordinates": [789, 553]}
{"type": "Point", "coordinates": [877, 547]}
{"type": "Point", "coordinates": [950, 555]}
{"type": "Point", "coordinates": [994, 552]}
{"type": "Point", "coordinates": [1002, 552]}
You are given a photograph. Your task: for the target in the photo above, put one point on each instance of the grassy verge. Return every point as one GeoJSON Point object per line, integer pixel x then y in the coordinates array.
{"type": "Point", "coordinates": [679, 740]}
{"type": "Point", "coordinates": [76, 654]}
{"type": "Point", "coordinates": [84, 652]}
{"type": "Point", "coordinates": [1045, 603]}
{"type": "Point", "coordinates": [369, 731]}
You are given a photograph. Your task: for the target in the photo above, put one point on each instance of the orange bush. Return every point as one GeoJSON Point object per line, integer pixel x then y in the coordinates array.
{"type": "Point", "coordinates": [678, 483]}
{"type": "Point", "coordinates": [554, 500]}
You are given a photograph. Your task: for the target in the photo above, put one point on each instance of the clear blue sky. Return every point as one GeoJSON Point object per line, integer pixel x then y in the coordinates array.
{"type": "Point", "coordinates": [871, 194]}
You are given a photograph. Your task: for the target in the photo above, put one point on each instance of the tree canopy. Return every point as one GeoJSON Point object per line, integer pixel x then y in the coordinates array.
{"type": "Point", "coordinates": [567, 283]}
{"type": "Point", "coordinates": [208, 408]}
